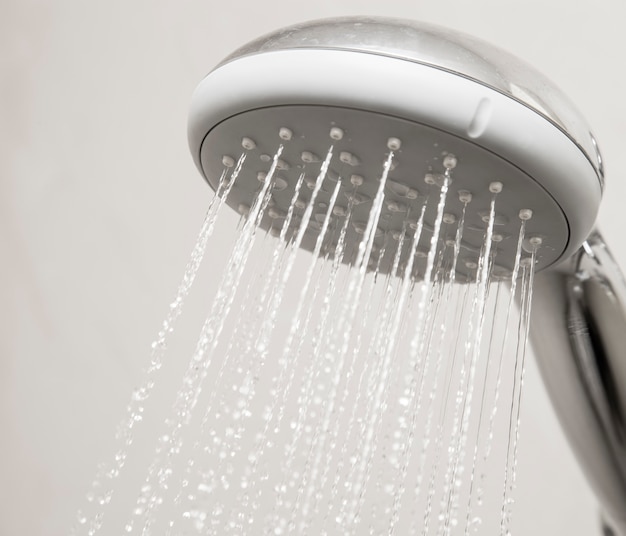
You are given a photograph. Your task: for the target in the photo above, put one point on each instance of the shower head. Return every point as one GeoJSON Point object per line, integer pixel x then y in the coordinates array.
{"type": "Point", "coordinates": [368, 86]}
{"type": "Point", "coordinates": [420, 106]}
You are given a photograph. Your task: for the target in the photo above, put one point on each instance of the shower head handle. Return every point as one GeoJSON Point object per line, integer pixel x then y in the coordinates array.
{"type": "Point", "coordinates": [577, 330]}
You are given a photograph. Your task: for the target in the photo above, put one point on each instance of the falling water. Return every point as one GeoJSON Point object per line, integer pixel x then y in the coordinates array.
{"type": "Point", "coordinates": [422, 320]}
{"type": "Point", "coordinates": [496, 396]}
{"type": "Point", "coordinates": [518, 382]}
{"type": "Point", "coordinates": [473, 348]}
{"type": "Point", "coordinates": [443, 408]}
{"type": "Point", "coordinates": [350, 407]}
{"type": "Point", "coordinates": [382, 317]}
{"type": "Point", "coordinates": [170, 442]}
{"type": "Point", "coordinates": [102, 486]}
{"type": "Point", "coordinates": [343, 333]}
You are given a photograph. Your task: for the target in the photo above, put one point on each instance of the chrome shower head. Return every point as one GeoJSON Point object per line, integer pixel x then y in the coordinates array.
{"type": "Point", "coordinates": [367, 86]}
{"type": "Point", "coordinates": [445, 104]}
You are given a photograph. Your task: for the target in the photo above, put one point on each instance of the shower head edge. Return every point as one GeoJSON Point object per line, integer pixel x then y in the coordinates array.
{"type": "Point", "coordinates": [441, 48]}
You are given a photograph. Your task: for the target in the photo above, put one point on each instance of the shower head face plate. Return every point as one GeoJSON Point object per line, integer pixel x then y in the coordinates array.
{"type": "Point", "coordinates": [498, 130]}
{"type": "Point", "coordinates": [365, 139]}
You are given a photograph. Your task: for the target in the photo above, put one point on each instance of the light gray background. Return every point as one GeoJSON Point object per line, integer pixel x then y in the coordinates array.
{"type": "Point", "coordinates": [100, 204]}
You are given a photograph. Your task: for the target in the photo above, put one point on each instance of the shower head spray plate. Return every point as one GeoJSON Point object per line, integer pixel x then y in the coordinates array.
{"type": "Point", "coordinates": [361, 153]}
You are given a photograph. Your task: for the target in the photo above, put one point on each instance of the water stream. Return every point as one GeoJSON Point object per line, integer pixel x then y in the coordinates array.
{"type": "Point", "coordinates": [333, 398]}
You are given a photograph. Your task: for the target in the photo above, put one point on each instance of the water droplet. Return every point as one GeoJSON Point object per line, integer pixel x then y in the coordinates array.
{"type": "Point", "coordinates": [349, 158]}
{"type": "Point", "coordinates": [394, 144]}
{"type": "Point", "coordinates": [525, 214]}
{"type": "Point", "coordinates": [309, 157]}
{"type": "Point", "coordinates": [248, 143]}
{"type": "Point", "coordinates": [356, 180]}
{"type": "Point", "coordinates": [228, 161]}
{"type": "Point", "coordinates": [449, 218]}
{"type": "Point", "coordinates": [495, 187]}
{"type": "Point", "coordinates": [285, 133]}
{"type": "Point", "coordinates": [449, 161]}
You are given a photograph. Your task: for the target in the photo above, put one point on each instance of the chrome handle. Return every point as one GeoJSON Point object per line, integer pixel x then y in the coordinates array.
{"type": "Point", "coordinates": [578, 331]}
